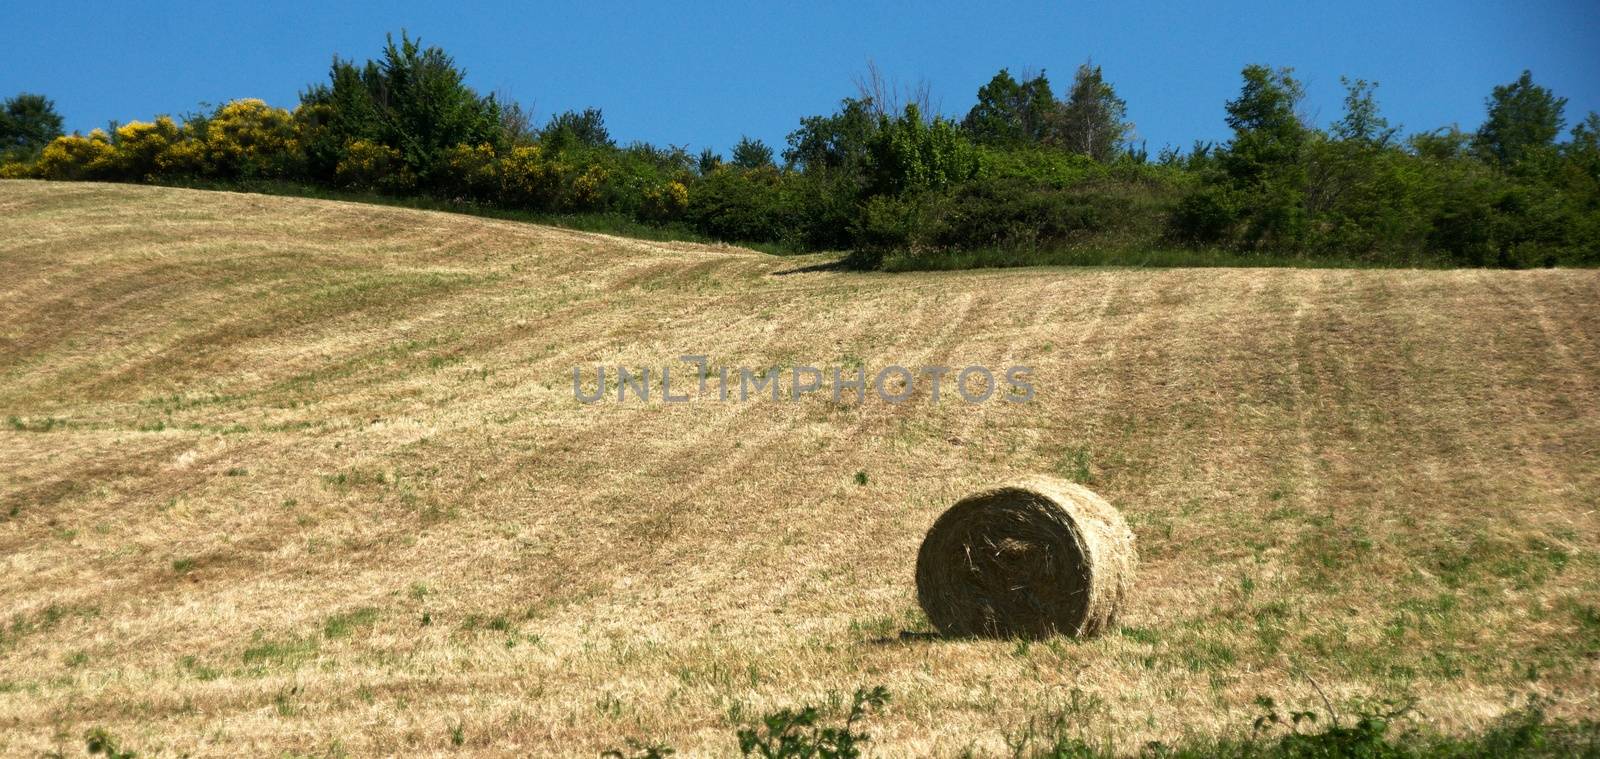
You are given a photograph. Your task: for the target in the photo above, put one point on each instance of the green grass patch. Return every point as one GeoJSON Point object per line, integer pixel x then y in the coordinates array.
{"type": "Point", "coordinates": [342, 625]}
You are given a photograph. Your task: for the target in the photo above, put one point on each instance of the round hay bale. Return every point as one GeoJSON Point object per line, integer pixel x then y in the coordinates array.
{"type": "Point", "coordinates": [1029, 559]}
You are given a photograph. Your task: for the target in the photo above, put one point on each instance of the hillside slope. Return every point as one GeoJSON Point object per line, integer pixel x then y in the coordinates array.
{"type": "Point", "coordinates": [295, 476]}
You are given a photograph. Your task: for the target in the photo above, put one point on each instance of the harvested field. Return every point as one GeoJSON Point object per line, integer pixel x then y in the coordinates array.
{"type": "Point", "coordinates": [285, 476]}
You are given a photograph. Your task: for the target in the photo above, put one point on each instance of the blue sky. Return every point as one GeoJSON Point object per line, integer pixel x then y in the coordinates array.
{"type": "Point", "coordinates": [702, 74]}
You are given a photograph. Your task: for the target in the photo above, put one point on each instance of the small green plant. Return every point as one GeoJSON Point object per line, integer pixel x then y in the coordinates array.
{"type": "Point", "coordinates": [796, 734]}
{"type": "Point", "coordinates": [861, 478]}
{"type": "Point", "coordinates": [458, 734]}
{"type": "Point", "coordinates": [98, 742]}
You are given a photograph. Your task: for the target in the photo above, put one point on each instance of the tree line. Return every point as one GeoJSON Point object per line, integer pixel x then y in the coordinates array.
{"type": "Point", "coordinates": [1027, 176]}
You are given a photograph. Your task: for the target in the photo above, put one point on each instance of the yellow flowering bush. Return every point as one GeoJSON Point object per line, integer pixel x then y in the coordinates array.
{"type": "Point", "coordinates": [139, 146]}
{"type": "Point", "coordinates": [369, 165]}
{"type": "Point", "coordinates": [469, 171]}
{"type": "Point", "coordinates": [75, 156]}
{"type": "Point", "coordinates": [527, 180]}
{"type": "Point", "coordinates": [187, 156]}
{"type": "Point", "coordinates": [248, 138]}
{"type": "Point", "coordinates": [588, 188]}
{"type": "Point", "coordinates": [666, 202]}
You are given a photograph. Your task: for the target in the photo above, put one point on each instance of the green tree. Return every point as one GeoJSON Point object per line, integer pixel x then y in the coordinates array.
{"type": "Point", "coordinates": [1523, 117]}
{"type": "Point", "coordinates": [836, 142]}
{"type": "Point", "coordinates": [1263, 159]}
{"type": "Point", "coordinates": [751, 154]}
{"type": "Point", "coordinates": [1093, 120]}
{"type": "Point", "coordinates": [1011, 112]}
{"type": "Point", "coordinates": [414, 100]}
{"type": "Point", "coordinates": [912, 155]}
{"type": "Point", "coordinates": [1362, 123]}
{"type": "Point", "coordinates": [574, 129]}
{"type": "Point", "coordinates": [28, 122]}
{"type": "Point", "coordinates": [1443, 144]}
{"type": "Point", "coordinates": [1267, 132]}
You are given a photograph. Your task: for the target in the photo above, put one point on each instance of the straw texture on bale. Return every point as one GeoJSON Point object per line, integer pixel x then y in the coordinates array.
{"type": "Point", "coordinates": [1030, 559]}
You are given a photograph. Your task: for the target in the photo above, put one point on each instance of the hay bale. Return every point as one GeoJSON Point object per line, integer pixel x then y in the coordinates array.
{"type": "Point", "coordinates": [1029, 559]}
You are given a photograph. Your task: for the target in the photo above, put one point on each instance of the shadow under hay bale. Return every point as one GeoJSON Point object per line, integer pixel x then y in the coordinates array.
{"type": "Point", "coordinates": [1028, 559]}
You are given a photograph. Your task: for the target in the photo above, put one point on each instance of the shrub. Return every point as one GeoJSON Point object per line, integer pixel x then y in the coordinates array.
{"type": "Point", "coordinates": [587, 190]}
{"type": "Point", "coordinates": [368, 165]}
{"type": "Point", "coordinates": [891, 223]}
{"type": "Point", "coordinates": [139, 147]}
{"type": "Point", "coordinates": [469, 171]}
{"type": "Point", "coordinates": [665, 203]}
{"type": "Point", "coordinates": [741, 205]}
{"type": "Point", "coordinates": [1205, 216]}
{"type": "Point", "coordinates": [1038, 165]}
{"type": "Point", "coordinates": [911, 155]}
{"type": "Point", "coordinates": [1016, 213]}
{"type": "Point", "coordinates": [528, 180]}
{"type": "Point", "coordinates": [249, 139]}
{"type": "Point", "coordinates": [77, 157]}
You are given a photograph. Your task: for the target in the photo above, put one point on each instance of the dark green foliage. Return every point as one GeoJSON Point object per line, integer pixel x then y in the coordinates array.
{"type": "Point", "coordinates": [798, 734]}
{"type": "Point", "coordinates": [1010, 113]}
{"type": "Point", "coordinates": [1205, 216]}
{"type": "Point", "coordinates": [1008, 212]}
{"type": "Point", "coordinates": [1262, 164]}
{"type": "Point", "coordinates": [1267, 133]}
{"type": "Point", "coordinates": [413, 100]}
{"type": "Point", "coordinates": [751, 154]}
{"type": "Point", "coordinates": [742, 205]}
{"type": "Point", "coordinates": [834, 143]}
{"type": "Point", "coordinates": [28, 122]}
{"type": "Point", "coordinates": [1523, 118]}
{"type": "Point", "coordinates": [98, 742]}
{"type": "Point", "coordinates": [574, 130]}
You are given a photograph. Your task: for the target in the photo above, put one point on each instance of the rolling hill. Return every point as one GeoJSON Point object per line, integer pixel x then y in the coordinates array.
{"type": "Point", "coordinates": [284, 476]}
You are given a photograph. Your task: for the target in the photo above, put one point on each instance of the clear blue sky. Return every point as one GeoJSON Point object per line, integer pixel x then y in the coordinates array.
{"type": "Point", "coordinates": [701, 74]}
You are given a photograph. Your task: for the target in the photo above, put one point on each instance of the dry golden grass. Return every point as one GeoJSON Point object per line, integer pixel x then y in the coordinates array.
{"type": "Point", "coordinates": [252, 443]}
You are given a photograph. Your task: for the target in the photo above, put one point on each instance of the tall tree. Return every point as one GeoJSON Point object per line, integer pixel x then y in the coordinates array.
{"type": "Point", "coordinates": [28, 122]}
{"type": "Point", "coordinates": [1362, 123]}
{"type": "Point", "coordinates": [1522, 117]}
{"type": "Point", "coordinates": [751, 154]}
{"type": "Point", "coordinates": [413, 99]}
{"type": "Point", "coordinates": [1093, 120]}
{"type": "Point", "coordinates": [835, 142]}
{"type": "Point", "coordinates": [1263, 161]}
{"type": "Point", "coordinates": [1011, 112]}
{"type": "Point", "coordinates": [1267, 132]}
